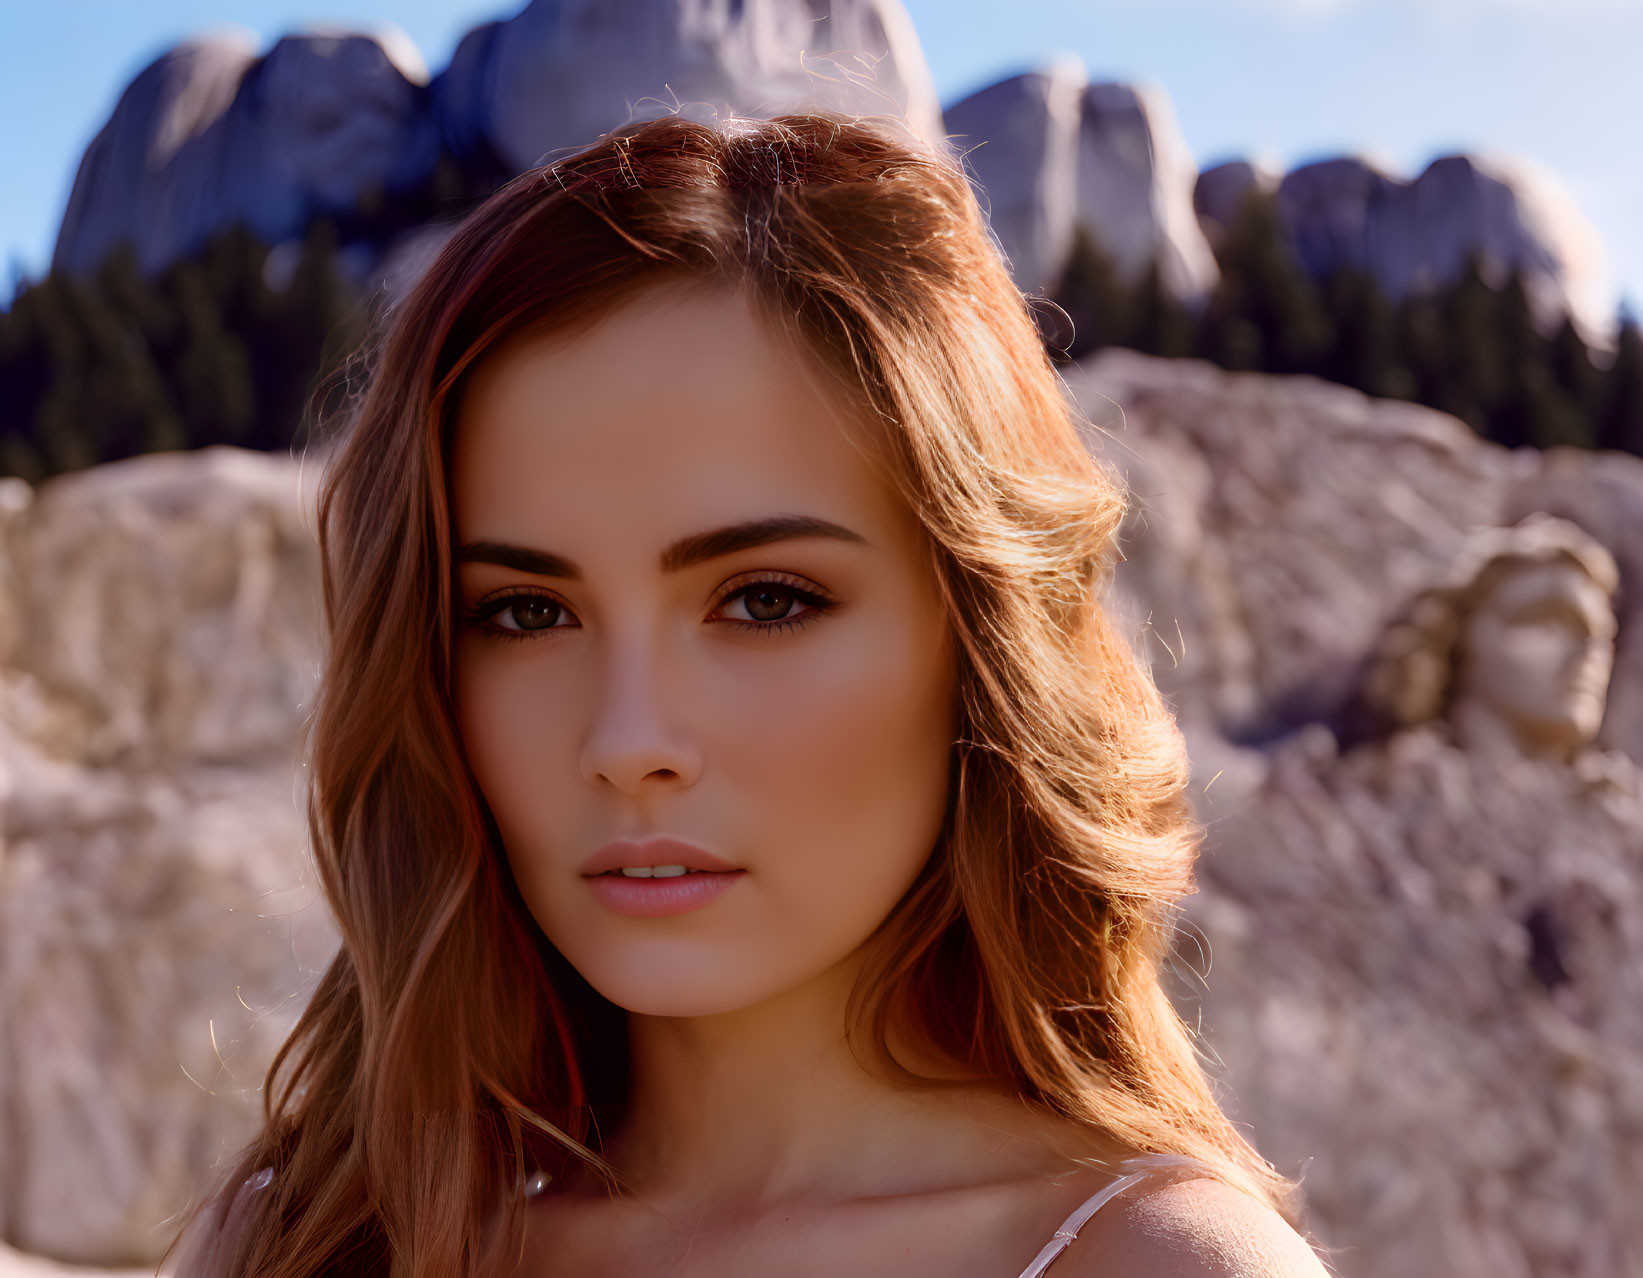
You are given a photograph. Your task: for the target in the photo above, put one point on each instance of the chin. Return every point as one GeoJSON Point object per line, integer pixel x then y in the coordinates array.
{"type": "Point", "coordinates": [676, 987]}
{"type": "Point", "coordinates": [683, 1003]}
{"type": "Point", "coordinates": [1563, 728]}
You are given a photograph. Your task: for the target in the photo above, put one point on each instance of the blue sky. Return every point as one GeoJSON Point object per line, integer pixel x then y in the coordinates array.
{"type": "Point", "coordinates": [1559, 82]}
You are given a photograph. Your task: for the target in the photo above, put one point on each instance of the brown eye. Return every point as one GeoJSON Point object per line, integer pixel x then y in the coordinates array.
{"type": "Point", "coordinates": [531, 613]}
{"type": "Point", "coordinates": [534, 613]}
{"type": "Point", "coordinates": [769, 602]}
{"type": "Point", "coordinates": [773, 606]}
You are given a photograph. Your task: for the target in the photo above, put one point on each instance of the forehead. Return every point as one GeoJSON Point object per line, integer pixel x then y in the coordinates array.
{"type": "Point", "coordinates": [1555, 583]}
{"type": "Point", "coordinates": [679, 398]}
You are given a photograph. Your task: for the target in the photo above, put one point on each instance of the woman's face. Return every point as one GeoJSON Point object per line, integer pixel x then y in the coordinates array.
{"type": "Point", "coordinates": [786, 703]}
{"type": "Point", "coordinates": [1540, 650]}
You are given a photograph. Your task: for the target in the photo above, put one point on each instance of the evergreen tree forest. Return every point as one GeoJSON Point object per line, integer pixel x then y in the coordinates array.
{"type": "Point", "coordinates": [222, 349]}
{"type": "Point", "coordinates": [209, 351]}
{"type": "Point", "coordinates": [1469, 349]}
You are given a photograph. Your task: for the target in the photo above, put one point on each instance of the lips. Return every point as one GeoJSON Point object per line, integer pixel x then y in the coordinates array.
{"type": "Point", "coordinates": [653, 852]}
{"type": "Point", "coordinates": [655, 898]}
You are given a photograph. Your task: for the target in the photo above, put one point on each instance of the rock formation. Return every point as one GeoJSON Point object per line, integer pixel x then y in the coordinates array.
{"type": "Point", "coordinates": [158, 925]}
{"type": "Point", "coordinates": [1414, 235]}
{"type": "Point", "coordinates": [1048, 150]}
{"type": "Point", "coordinates": [561, 72]}
{"type": "Point", "coordinates": [1451, 920]}
{"type": "Point", "coordinates": [336, 123]}
{"type": "Point", "coordinates": [17, 1264]}
{"type": "Point", "coordinates": [1218, 194]}
{"type": "Point", "coordinates": [1421, 893]}
{"type": "Point", "coordinates": [210, 134]}
{"type": "Point", "coordinates": [328, 122]}
{"type": "Point", "coordinates": [1018, 140]}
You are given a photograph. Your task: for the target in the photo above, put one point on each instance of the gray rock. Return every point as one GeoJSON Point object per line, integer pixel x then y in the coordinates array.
{"type": "Point", "coordinates": [159, 925]}
{"type": "Point", "coordinates": [1331, 208]}
{"type": "Point", "coordinates": [460, 92]}
{"type": "Point", "coordinates": [1048, 150]}
{"type": "Point", "coordinates": [1018, 139]}
{"type": "Point", "coordinates": [1313, 511]}
{"type": "Point", "coordinates": [1515, 214]}
{"type": "Point", "coordinates": [211, 134]}
{"type": "Point", "coordinates": [1423, 952]}
{"type": "Point", "coordinates": [1283, 522]}
{"type": "Point", "coordinates": [1220, 190]}
{"type": "Point", "coordinates": [127, 186]}
{"type": "Point", "coordinates": [1135, 183]}
{"type": "Point", "coordinates": [1425, 976]}
{"type": "Point", "coordinates": [17, 1264]}
{"type": "Point", "coordinates": [1413, 235]}
{"type": "Point", "coordinates": [161, 611]}
{"type": "Point", "coordinates": [560, 73]}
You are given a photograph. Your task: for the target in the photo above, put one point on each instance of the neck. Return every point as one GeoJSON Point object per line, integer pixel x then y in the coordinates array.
{"type": "Point", "coordinates": [766, 1104]}
{"type": "Point", "coordinates": [1481, 730]}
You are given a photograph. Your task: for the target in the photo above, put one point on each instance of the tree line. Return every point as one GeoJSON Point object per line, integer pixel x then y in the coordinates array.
{"type": "Point", "coordinates": [1469, 348]}
{"type": "Point", "coordinates": [222, 348]}
{"type": "Point", "coordinates": [236, 344]}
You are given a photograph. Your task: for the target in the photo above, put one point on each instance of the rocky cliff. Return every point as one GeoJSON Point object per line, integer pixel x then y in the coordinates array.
{"type": "Point", "coordinates": [1410, 669]}
{"type": "Point", "coordinates": [158, 926]}
{"type": "Point", "coordinates": [329, 121]}
{"type": "Point", "coordinates": [1413, 234]}
{"type": "Point", "coordinates": [348, 125]}
{"type": "Point", "coordinates": [1049, 151]}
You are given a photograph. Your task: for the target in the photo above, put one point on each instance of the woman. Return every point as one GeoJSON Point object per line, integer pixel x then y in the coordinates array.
{"type": "Point", "coordinates": [753, 846]}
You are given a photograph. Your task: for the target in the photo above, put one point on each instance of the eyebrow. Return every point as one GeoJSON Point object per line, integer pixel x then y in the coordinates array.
{"type": "Point", "coordinates": [1561, 604]}
{"type": "Point", "coordinates": [682, 554]}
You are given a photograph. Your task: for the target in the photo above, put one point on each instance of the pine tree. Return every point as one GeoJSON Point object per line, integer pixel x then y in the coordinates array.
{"type": "Point", "coordinates": [1573, 371]}
{"type": "Point", "coordinates": [1160, 323]}
{"type": "Point", "coordinates": [210, 373]}
{"type": "Point", "coordinates": [1366, 353]}
{"type": "Point", "coordinates": [1265, 312]}
{"type": "Point", "coordinates": [108, 366]}
{"type": "Point", "coordinates": [1547, 400]}
{"type": "Point", "coordinates": [1423, 346]}
{"type": "Point", "coordinates": [1620, 421]}
{"type": "Point", "coordinates": [1473, 383]}
{"type": "Point", "coordinates": [1554, 419]}
{"type": "Point", "coordinates": [105, 399]}
{"type": "Point", "coordinates": [25, 376]}
{"type": "Point", "coordinates": [320, 323]}
{"type": "Point", "coordinates": [1093, 295]}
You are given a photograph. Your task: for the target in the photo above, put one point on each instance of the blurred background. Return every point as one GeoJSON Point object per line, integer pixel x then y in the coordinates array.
{"type": "Point", "coordinates": [1347, 289]}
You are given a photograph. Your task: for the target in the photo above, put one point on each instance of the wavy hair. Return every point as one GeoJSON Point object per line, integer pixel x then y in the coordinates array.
{"type": "Point", "coordinates": [449, 1050]}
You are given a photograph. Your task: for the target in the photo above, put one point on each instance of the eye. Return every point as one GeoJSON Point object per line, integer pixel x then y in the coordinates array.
{"type": "Point", "coordinates": [1560, 615]}
{"type": "Point", "coordinates": [532, 612]}
{"type": "Point", "coordinates": [773, 603]}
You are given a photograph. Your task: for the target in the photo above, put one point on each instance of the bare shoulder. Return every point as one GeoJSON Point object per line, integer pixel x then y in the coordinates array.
{"type": "Point", "coordinates": [1200, 1228]}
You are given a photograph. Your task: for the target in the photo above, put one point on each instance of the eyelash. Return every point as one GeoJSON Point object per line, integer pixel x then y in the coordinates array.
{"type": "Point", "coordinates": [817, 604]}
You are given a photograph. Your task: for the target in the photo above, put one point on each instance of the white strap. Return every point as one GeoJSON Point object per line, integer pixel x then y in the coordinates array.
{"type": "Point", "coordinates": [1063, 1236]}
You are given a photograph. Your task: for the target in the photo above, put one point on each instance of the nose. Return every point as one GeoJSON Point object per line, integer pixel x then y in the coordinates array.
{"type": "Point", "coordinates": [633, 742]}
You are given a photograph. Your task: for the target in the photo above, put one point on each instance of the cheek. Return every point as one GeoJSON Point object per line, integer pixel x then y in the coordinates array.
{"type": "Point", "coordinates": [839, 763]}
{"type": "Point", "coordinates": [1529, 659]}
{"type": "Point", "coordinates": [521, 757]}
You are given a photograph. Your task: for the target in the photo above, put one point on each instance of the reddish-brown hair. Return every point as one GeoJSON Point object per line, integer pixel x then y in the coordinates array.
{"type": "Point", "coordinates": [449, 1049]}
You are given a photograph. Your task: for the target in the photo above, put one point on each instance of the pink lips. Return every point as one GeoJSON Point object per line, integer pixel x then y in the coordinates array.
{"type": "Point", "coordinates": [621, 852]}
{"type": "Point", "coordinates": [655, 898]}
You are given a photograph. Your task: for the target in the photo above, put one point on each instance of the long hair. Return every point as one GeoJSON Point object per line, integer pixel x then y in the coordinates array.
{"type": "Point", "coordinates": [449, 1050]}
